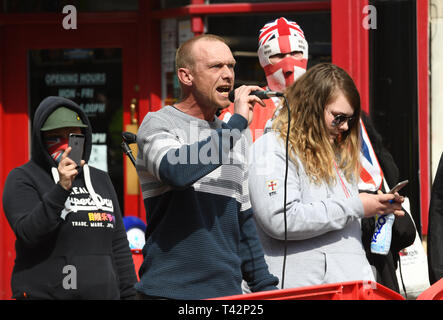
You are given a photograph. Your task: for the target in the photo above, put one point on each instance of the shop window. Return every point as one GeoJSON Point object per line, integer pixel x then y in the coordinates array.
{"type": "Point", "coordinates": [243, 42]}
{"type": "Point", "coordinates": [173, 33]}
{"type": "Point", "coordinates": [93, 79]}
{"type": "Point", "coordinates": [241, 33]}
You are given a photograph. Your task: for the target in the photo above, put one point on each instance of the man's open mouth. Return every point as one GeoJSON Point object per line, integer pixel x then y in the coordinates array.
{"type": "Point", "coordinates": [224, 90]}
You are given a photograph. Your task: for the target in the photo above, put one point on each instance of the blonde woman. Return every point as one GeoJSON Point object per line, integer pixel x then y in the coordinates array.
{"type": "Point", "coordinates": [323, 206]}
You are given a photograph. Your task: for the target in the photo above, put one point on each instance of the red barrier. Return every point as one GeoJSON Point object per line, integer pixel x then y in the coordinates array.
{"type": "Point", "coordinates": [354, 290]}
{"type": "Point", "coordinates": [434, 292]}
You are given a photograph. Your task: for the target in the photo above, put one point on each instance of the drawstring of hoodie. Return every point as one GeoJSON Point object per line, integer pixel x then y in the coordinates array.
{"type": "Point", "coordinates": [87, 176]}
{"type": "Point", "coordinates": [91, 190]}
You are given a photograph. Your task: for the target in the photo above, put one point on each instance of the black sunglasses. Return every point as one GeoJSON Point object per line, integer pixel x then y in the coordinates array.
{"type": "Point", "coordinates": [340, 118]}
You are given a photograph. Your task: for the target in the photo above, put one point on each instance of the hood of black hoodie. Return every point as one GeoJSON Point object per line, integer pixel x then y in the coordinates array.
{"type": "Point", "coordinates": [39, 153]}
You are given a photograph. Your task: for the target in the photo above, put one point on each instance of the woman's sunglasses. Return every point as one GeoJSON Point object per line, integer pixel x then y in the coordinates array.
{"type": "Point", "coordinates": [340, 119]}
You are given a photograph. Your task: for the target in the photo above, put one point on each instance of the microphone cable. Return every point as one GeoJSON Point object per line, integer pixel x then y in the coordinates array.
{"type": "Point", "coordinates": [266, 94]}
{"type": "Point", "coordinates": [285, 103]}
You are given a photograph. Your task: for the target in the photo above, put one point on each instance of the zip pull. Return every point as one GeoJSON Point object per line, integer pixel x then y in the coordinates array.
{"type": "Point", "coordinates": [91, 190]}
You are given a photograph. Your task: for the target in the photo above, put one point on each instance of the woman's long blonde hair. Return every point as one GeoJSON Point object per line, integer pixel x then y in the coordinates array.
{"type": "Point", "coordinates": [308, 137]}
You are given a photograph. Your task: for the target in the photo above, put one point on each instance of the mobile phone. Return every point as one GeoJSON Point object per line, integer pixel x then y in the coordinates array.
{"type": "Point", "coordinates": [76, 142]}
{"type": "Point", "coordinates": [399, 186]}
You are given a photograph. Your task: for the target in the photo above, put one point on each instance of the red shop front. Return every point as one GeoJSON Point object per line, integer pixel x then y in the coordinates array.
{"type": "Point", "coordinates": [124, 51]}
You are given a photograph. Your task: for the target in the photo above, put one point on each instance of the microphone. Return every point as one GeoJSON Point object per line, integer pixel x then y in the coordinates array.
{"type": "Point", "coordinates": [266, 94]}
{"type": "Point", "coordinates": [129, 137]}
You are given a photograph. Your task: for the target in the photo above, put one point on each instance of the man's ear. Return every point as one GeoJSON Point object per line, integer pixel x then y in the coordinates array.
{"type": "Point", "coordinates": [184, 76]}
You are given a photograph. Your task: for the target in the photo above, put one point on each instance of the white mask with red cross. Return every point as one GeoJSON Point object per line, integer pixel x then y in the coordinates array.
{"type": "Point", "coordinates": [280, 37]}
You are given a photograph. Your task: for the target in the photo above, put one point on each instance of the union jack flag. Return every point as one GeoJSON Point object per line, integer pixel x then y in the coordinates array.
{"type": "Point", "coordinates": [371, 175]}
{"type": "Point", "coordinates": [279, 27]}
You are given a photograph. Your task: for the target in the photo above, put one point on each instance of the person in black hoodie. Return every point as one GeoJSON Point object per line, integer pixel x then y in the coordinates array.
{"type": "Point", "coordinates": [70, 238]}
{"type": "Point", "coordinates": [403, 229]}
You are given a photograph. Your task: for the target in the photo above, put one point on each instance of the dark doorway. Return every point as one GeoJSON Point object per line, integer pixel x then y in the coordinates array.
{"type": "Point", "coordinates": [394, 96]}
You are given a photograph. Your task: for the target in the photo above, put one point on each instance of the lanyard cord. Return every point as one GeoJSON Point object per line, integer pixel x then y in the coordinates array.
{"type": "Point", "coordinates": [345, 189]}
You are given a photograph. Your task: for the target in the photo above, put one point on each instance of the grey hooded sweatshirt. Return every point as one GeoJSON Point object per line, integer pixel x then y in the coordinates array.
{"type": "Point", "coordinates": [323, 221]}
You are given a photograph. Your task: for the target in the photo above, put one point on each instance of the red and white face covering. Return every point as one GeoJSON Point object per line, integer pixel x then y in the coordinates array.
{"type": "Point", "coordinates": [56, 146]}
{"type": "Point", "coordinates": [279, 37]}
